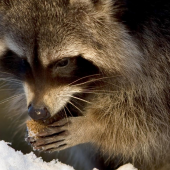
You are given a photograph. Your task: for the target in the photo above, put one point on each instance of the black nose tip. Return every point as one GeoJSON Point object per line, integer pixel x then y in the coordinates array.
{"type": "Point", "coordinates": [38, 114]}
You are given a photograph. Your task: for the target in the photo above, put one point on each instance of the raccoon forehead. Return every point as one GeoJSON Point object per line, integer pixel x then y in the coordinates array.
{"type": "Point", "coordinates": [72, 50]}
{"type": "Point", "coordinates": [49, 54]}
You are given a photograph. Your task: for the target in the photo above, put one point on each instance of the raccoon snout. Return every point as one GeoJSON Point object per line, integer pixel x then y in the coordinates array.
{"type": "Point", "coordinates": [38, 114]}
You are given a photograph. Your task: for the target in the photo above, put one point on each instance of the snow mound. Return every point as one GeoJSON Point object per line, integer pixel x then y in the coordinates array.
{"type": "Point", "coordinates": [127, 167]}
{"type": "Point", "coordinates": [16, 160]}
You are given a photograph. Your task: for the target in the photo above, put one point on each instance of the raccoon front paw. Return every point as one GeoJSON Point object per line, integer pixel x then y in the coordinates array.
{"type": "Point", "coordinates": [58, 136]}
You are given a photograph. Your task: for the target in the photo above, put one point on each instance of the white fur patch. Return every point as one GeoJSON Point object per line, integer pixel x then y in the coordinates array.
{"type": "Point", "coordinates": [13, 46]}
{"type": "Point", "coordinates": [2, 47]}
{"type": "Point", "coordinates": [29, 94]}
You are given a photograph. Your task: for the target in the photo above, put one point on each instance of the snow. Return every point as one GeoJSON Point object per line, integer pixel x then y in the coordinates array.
{"type": "Point", "coordinates": [127, 167]}
{"type": "Point", "coordinates": [16, 160]}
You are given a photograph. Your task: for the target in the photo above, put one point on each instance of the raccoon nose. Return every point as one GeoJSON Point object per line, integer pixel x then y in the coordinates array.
{"type": "Point", "coordinates": [38, 114]}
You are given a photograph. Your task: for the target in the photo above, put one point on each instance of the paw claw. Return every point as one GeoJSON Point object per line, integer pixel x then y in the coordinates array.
{"type": "Point", "coordinates": [52, 147]}
{"type": "Point", "coordinates": [30, 139]}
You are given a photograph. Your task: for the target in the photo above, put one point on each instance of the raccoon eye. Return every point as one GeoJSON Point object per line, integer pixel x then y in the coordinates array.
{"type": "Point", "coordinates": [63, 63]}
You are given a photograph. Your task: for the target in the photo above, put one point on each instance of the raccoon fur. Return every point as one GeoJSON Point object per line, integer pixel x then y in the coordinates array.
{"type": "Point", "coordinates": [102, 65]}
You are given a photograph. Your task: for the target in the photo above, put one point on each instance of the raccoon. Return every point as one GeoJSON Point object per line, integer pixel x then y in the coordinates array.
{"type": "Point", "coordinates": [96, 71]}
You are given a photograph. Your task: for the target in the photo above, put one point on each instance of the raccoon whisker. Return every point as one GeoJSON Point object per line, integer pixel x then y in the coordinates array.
{"type": "Point", "coordinates": [5, 81]}
{"type": "Point", "coordinates": [69, 111]}
{"type": "Point", "coordinates": [8, 79]}
{"type": "Point", "coordinates": [75, 106]}
{"type": "Point", "coordinates": [11, 80]}
{"type": "Point", "coordinates": [6, 89]}
{"type": "Point", "coordinates": [9, 74]}
{"type": "Point", "coordinates": [94, 90]}
{"type": "Point", "coordinates": [86, 82]}
{"type": "Point", "coordinates": [20, 116]}
{"type": "Point", "coordinates": [4, 85]}
{"type": "Point", "coordinates": [98, 92]}
{"type": "Point", "coordinates": [13, 83]}
{"type": "Point", "coordinates": [97, 79]}
{"type": "Point", "coordinates": [106, 84]}
{"type": "Point", "coordinates": [94, 93]}
{"type": "Point", "coordinates": [89, 91]}
{"type": "Point", "coordinates": [17, 116]}
{"type": "Point", "coordinates": [11, 98]}
{"type": "Point", "coordinates": [113, 84]}
{"type": "Point", "coordinates": [83, 78]}
{"type": "Point", "coordinates": [6, 73]}
{"type": "Point", "coordinates": [78, 98]}
{"type": "Point", "coordinates": [65, 113]}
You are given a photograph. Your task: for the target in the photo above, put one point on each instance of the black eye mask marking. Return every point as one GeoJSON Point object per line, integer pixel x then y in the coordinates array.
{"type": "Point", "coordinates": [85, 67]}
{"type": "Point", "coordinates": [73, 67]}
{"type": "Point", "coordinates": [17, 66]}
{"type": "Point", "coordinates": [63, 63]}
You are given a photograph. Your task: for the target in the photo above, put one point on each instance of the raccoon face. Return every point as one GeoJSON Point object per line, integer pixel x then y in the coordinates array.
{"type": "Point", "coordinates": [54, 88]}
{"type": "Point", "coordinates": [58, 48]}
{"type": "Point", "coordinates": [48, 50]}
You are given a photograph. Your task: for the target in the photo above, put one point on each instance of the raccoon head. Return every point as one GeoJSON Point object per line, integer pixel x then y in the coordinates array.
{"type": "Point", "coordinates": [62, 86]}
{"type": "Point", "coordinates": [58, 48]}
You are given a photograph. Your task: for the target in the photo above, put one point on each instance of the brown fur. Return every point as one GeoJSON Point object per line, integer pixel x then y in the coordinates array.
{"type": "Point", "coordinates": [131, 117]}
